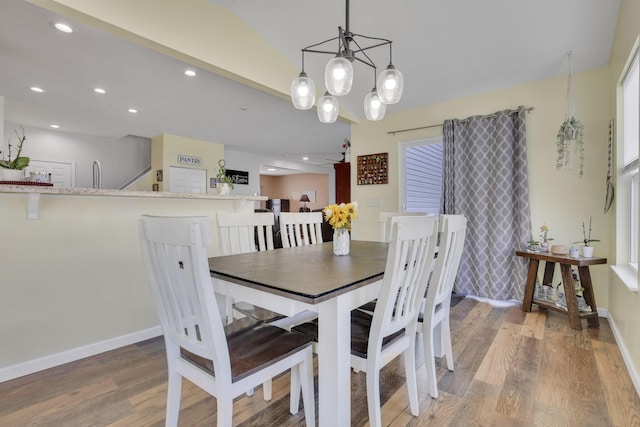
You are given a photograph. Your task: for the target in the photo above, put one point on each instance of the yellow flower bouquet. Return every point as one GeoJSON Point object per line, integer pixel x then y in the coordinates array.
{"type": "Point", "coordinates": [341, 216]}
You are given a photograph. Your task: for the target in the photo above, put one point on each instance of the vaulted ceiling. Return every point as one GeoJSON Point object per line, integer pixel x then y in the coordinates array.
{"type": "Point", "coordinates": [445, 49]}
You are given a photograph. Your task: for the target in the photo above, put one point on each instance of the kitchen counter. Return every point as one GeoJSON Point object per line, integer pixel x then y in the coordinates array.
{"type": "Point", "coordinates": [27, 189]}
{"type": "Point", "coordinates": [34, 192]}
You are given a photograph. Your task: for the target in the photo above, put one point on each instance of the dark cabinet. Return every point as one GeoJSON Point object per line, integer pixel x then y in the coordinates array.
{"type": "Point", "coordinates": [277, 206]}
{"type": "Point", "coordinates": [343, 182]}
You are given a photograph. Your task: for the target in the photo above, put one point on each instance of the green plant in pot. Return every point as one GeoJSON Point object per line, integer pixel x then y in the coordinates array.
{"type": "Point", "coordinates": [224, 183]}
{"type": "Point", "coordinates": [13, 167]}
{"type": "Point", "coordinates": [587, 249]}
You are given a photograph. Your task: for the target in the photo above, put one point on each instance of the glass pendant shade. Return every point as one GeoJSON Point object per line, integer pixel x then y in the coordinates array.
{"type": "Point", "coordinates": [303, 92]}
{"type": "Point", "coordinates": [327, 108]}
{"type": "Point", "coordinates": [374, 109]}
{"type": "Point", "coordinates": [390, 85]}
{"type": "Point", "coordinates": [338, 76]}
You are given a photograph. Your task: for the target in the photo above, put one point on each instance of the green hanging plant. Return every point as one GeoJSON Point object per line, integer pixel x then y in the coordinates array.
{"type": "Point", "coordinates": [571, 130]}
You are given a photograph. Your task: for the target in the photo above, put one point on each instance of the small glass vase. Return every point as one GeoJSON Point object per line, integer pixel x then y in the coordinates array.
{"type": "Point", "coordinates": [341, 241]}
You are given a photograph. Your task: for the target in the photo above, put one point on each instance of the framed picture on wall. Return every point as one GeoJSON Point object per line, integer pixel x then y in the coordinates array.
{"type": "Point", "coordinates": [159, 175]}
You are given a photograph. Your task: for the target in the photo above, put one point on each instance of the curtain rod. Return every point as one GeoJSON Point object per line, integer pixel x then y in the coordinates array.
{"type": "Point", "coordinates": [393, 132]}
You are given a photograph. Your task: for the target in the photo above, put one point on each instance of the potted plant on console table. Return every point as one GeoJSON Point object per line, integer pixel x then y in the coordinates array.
{"type": "Point", "coordinates": [13, 169]}
{"type": "Point", "coordinates": [224, 184]}
{"type": "Point", "coordinates": [587, 249]}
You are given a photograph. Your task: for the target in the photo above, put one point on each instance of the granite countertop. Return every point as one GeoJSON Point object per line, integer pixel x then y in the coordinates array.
{"type": "Point", "coordinates": [25, 189]}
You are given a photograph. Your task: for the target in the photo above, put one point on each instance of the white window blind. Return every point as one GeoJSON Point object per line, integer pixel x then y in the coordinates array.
{"type": "Point", "coordinates": [424, 178]}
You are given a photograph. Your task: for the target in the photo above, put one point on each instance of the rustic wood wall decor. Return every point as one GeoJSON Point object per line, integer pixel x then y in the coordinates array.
{"type": "Point", "coordinates": [373, 169]}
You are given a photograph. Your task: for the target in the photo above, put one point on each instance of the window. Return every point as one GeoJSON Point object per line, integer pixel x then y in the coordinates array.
{"type": "Point", "coordinates": [423, 176]}
{"type": "Point", "coordinates": [628, 142]}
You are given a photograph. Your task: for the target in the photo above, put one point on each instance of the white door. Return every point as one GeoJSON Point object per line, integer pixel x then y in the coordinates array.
{"type": "Point", "coordinates": [185, 180]}
{"type": "Point", "coordinates": [62, 173]}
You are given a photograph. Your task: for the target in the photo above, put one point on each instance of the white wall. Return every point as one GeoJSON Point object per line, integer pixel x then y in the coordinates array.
{"type": "Point", "coordinates": [121, 159]}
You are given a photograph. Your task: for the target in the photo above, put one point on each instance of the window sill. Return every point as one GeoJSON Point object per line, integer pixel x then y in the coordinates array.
{"type": "Point", "coordinates": [627, 275]}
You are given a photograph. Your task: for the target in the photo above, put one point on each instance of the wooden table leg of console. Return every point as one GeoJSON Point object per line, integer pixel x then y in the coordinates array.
{"type": "Point", "coordinates": [531, 285]}
{"type": "Point", "coordinates": [585, 280]}
{"type": "Point", "coordinates": [549, 267]}
{"type": "Point", "coordinates": [570, 296]}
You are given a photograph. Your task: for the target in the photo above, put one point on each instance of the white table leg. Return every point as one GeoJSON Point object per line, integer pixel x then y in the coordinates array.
{"type": "Point", "coordinates": [334, 355]}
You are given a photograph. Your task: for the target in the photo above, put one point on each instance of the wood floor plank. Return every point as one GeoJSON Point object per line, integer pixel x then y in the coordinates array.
{"type": "Point", "coordinates": [516, 396]}
{"type": "Point", "coordinates": [500, 355]}
{"type": "Point", "coordinates": [511, 369]}
{"type": "Point", "coordinates": [42, 412]}
{"type": "Point", "coordinates": [621, 401]}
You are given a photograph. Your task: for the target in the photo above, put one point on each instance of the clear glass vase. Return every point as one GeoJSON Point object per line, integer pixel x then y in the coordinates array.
{"type": "Point", "coordinates": [341, 241]}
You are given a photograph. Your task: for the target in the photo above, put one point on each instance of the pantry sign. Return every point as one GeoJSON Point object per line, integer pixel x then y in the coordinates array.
{"type": "Point", "coordinates": [185, 159]}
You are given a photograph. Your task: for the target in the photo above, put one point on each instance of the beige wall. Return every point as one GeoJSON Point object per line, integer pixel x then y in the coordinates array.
{"type": "Point", "coordinates": [624, 305]}
{"type": "Point", "coordinates": [77, 278]}
{"type": "Point", "coordinates": [166, 148]}
{"type": "Point", "coordinates": [291, 186]}
{"type": "Point", "coordinates": [560, 198]}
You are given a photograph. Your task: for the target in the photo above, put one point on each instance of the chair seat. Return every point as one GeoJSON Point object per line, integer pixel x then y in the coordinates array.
{"type": "Point", "coordinates": [253, 347]}
{"type": "Point", "coordinates": [257, 313]}
{"type": "Point", "coordinates": [370, 306]}
{"type": "Point", "coordinates": [360, 330]}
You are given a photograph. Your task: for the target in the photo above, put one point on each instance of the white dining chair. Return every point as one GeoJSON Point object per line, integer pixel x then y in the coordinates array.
{"type": "Point", "coordinates": [435, 316]}
{"type": "Point", "coordinates": [387, 219]}
{"type": "Point", "coordinates": [197, 346]}
{"type": "Point", "coordinates": [300, 228]}
{"type": "Point", "coordinates": [241, 233]}
{"type": "Point", "coordinates": [379, 338]}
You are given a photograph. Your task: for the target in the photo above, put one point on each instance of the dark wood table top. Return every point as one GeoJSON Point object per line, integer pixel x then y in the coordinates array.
{"type": "Point", "coordinates": [309, 274]}
{"type": "Point", "coordinates": [562, 259]}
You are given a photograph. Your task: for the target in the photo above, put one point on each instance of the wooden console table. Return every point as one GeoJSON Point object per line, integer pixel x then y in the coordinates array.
{"type": "Point", "coordinates": [575, 316]}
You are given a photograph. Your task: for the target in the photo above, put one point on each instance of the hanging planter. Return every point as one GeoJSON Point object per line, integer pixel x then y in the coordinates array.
{"type": "Point", "coordinates": [570, 130]}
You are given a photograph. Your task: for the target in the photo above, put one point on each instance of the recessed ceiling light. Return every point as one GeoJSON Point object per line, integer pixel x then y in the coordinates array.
{"type": "Point", "coordinates": [190, 73]}
{"type": "Point", "coordinates": [132, 110]}
{"type": "Point", "coordinates": [305, 158]}
{"type": "Point", "coordinates": [99, 90]}
{"type": "Point", "coordinates": [54, 126]}
{"type": "Point", "coordinates": [63, 27]}
{"type": "Point", "coordinates": [37, 89]}
{"type": "Point", "coordinates": [271, 169]}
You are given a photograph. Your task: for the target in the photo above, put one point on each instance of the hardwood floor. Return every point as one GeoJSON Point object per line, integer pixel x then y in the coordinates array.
{"type": "Point", "coordinates": [511, 369]}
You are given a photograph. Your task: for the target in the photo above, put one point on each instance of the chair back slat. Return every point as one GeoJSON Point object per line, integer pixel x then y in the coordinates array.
{"type": "Point", "coordinates": [245, 232]}
{"type": "Point", "coordinates": [300, 228]}
{"type": "Point", "coordinates": [452, 236]}
{"type": "Point", "coordinates": [386, 219]}
{"type": "Point", "coordinates": [409, 262]}
{"type": "Point", "coordinates": [175, 259]}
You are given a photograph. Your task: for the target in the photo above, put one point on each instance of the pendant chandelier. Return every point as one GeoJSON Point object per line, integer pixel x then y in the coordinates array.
{"type": "Point", "coordinates": [338, 77]}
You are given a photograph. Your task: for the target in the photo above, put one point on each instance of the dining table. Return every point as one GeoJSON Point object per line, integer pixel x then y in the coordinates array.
{"type": "Point", "coordinates": [311, 279]}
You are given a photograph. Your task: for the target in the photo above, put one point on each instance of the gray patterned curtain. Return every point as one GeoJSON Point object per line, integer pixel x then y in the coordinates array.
{"type": "Point", "coordinates": [485, 179]}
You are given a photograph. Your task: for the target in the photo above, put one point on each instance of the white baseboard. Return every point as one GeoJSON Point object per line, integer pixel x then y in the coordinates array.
{"type": "Point", "coordinates": [46, 362]}
{"type": "Point", "coordinates": [635, 378]}
{"type": "Point", "coordinates": [603, 312]}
